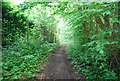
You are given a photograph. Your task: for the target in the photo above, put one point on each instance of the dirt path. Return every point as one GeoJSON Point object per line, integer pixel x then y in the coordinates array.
{"type": "Point", "coordinates": [58, 66]}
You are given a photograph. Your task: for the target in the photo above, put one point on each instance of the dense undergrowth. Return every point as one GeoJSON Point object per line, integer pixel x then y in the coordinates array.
{"type": "Point", "coordinates": [91, 35]}
{"type": "Point", "coordinates": [31, 31]}
{"type": "Point", "coordinates": [21, 60]}
{"type": "Point", "coordinates": [93, 39]}
{"type": "Point", "coordinates": [26, 42]}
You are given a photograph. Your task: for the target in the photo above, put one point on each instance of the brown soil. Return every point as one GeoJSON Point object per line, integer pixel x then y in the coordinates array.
{"type": "Point", "coordinates": [59, 66]}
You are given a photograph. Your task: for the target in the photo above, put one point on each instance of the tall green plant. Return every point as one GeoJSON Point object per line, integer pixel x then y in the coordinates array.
{"type": "Point", "coordinates": [93, 43]}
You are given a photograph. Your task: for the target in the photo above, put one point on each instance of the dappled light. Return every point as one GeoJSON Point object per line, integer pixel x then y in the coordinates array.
{"type": "Point", "coordinates": [17, 2]}
{"type": "Point", "coordinates": [80, 38]}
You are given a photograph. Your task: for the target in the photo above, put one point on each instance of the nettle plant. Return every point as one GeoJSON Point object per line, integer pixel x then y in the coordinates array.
{"type": "Point", "coordinates": [23, 56]}
{"type": "Point", "coordinates": [93, 43]}
{"type": "Point", "coordinates": [90, 32]}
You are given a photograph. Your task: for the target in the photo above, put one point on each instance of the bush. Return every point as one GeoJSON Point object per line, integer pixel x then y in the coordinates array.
{"type": "Point", "coordinates": [21, 59]}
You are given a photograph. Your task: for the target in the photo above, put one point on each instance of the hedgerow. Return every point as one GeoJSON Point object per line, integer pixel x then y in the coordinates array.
{"type": "Point", "coordinates": [31, 31]}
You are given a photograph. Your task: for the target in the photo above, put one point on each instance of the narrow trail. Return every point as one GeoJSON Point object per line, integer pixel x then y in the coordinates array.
{"type": "Point", "coordinates": [58, 66]}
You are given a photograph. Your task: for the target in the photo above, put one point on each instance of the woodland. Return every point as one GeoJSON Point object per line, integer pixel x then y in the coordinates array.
{"type": "Point", "coordinates": [31, 31]}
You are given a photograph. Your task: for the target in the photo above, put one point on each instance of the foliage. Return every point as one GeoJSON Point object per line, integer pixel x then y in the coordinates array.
{"type": "Point", "coordinates": [41, 15]}
{"type": "Point", "coordinates": [93, 43]}
{"type": "Point", "coordinates": [24, 42]}
{"type": "Point", "coordinates": [90, 30]}
{"type": "Point", "coordinates": [13, 24]}
{"type": "Point", "coordinates": [21, 60]}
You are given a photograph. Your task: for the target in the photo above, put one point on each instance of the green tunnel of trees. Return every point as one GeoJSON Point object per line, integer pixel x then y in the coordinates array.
{"type": "Point", "coordinates": [33, 30]}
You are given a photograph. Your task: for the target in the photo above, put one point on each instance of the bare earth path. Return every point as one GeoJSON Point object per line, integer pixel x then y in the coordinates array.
{"type": "Point", "coordinates": [58, 66]}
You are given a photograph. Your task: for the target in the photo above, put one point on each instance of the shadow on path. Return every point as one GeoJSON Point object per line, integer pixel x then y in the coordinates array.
{"type": "Point", "coordinates": [59, 66]}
